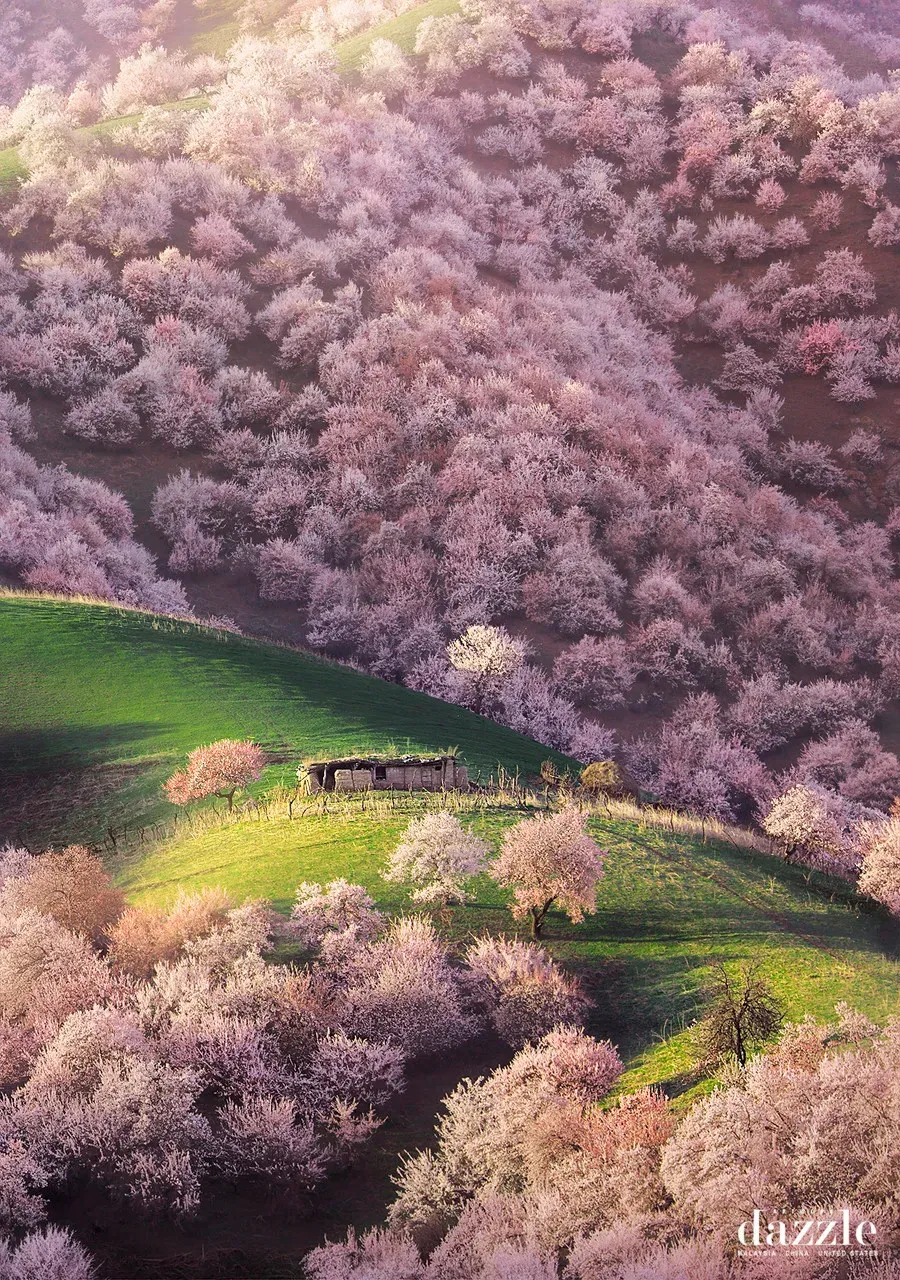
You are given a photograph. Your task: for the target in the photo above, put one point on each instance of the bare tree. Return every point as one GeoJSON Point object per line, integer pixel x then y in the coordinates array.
{"type": "Point", "coordinates": [743, 1012]}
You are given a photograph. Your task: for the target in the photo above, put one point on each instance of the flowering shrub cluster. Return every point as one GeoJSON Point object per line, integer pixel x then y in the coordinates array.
{"type": "Point", "coordinates": [155, 1053]}
{"type": "Point", "coordinates": [528, 1168]}
{"type": "Point", "coordinates": [60, 532]}
{"type": "Point", "coordinates": [156, 1076]}
{"type": "Point", "coordinates": [69, 46]}
{"type": "Point", "coordinates": [835, 835]}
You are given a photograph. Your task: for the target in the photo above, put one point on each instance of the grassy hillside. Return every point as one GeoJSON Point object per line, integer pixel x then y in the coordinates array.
{"type": "Point", "coordinates": [214, 30]}
{"type": "Point", "coordinates": [13, 170]}
{"type": "Point", "coordinates": [669, 908]}
{"type": "Point", "coordinates": [98, 705]}
{"type": "Point", "coordinates": [400, 30]}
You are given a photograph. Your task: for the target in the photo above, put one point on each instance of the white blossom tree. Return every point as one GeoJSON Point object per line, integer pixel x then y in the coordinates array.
{"type": "Point", "coordinates": [436, 858]}
{"type": "Point", "coordinates": [485, 656]}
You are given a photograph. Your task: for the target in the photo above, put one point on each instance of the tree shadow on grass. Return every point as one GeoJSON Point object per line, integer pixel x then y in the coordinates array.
{"type": "Point", "coordinates": [59, 785]}
{"type": "Point", "coordinates": [69, 747]}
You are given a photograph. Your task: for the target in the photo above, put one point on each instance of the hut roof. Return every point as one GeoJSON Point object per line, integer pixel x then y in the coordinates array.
{"type": "Point", "coordinates": [349, 762]}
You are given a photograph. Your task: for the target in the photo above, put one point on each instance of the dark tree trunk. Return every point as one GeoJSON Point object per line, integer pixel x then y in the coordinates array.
{"type": "Point", "coordinates": [740, 1051]}
{"type": "Point", "coordinates": [538, 916]}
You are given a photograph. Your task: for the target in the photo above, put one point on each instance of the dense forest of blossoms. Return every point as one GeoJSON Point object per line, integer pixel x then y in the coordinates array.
{"type": "Point", "coordinates": [422, 338]}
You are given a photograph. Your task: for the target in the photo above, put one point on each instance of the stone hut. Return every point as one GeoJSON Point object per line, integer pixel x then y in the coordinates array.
{"type": "Point", "coordinates": [400, 773]}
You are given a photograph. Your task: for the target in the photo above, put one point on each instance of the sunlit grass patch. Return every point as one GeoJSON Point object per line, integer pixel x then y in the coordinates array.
{"type": "Point", "coordinates": [669, 909]}
{"type": "Point", "coordinates": [400, 30]}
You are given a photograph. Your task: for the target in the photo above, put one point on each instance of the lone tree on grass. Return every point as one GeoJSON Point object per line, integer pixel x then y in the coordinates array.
{"type": "Point", "coordinates": [546, 860]}
{"type": "Point", "coordinates": [436, 857]}
{"type": "Point", "coordinates": [743, 1012]}
{"type": "Point", "coordinates": [485, 656]}
{"type": "Point", "coordinates": [218, 770]}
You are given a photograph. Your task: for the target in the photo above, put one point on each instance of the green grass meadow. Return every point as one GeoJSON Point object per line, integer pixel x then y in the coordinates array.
{"type": "Point", "coordinates": [400, 30]}
{"type": "Point", "coordinates": [669, 908]}
{"type": "Point", "coordinates": [99, 705]}
{"type": "Point", "coordinates": [212, 29]}
{"type": "Point", "coordinates": [12, 170]}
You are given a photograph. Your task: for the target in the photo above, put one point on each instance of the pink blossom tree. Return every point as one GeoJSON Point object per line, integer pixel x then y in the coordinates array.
{"type": "Point", "coordinates": [376, 1255]}
{"type": "Point", "coordinates": [340, 908]}
{"type": "Point", "coordinates": [221, 769]}
{"type": "Point", "coordinates": [522, 992]}
{"type": "Point", "coordinates": [879, 876]}
{"type": "Point", "coordinates": [264, 1138]}
{"type": "Point", "coordinates": [549, 860]}
{"type": "Point", "coordinates": [770, 195]}
{"type": "Point", "coordinates": [51, 1253]}
{"type": "Point", "coordinates": [402, 988]}
{"type": "Point", "coordinates": [826, 212]}
{"type": "Point", "coordinates": [600, 671]}
{"type": "Point", "coordinates": [216, 237]}
{"type": "Point", "coordinates": [803, 820]}
{"type": "Point", "coordinates": [488, 1126]}
{"type": "Point", "coordinates": [885, 229]}
{"type": "Point", "coordinates": [70, 885]}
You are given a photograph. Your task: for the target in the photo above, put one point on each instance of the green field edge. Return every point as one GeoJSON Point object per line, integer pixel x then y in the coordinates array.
{"type": "Point", "coordinates": [112, 699]}
{"type": "Point", "coordinates": [348, 53]}
{"type": "Point", "coordinates": [659, 928]}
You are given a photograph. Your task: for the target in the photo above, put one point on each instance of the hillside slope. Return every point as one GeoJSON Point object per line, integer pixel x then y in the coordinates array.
{"type": "Point", "coordinates": [669, 907]}
{"type": "Point", "coordinates": [98, 705]}
{"type": "Point", "coordinates": [214, 31]}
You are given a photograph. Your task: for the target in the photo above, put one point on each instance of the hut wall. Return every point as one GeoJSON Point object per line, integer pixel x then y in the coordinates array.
{"type": "Point", "coordinates": [405, 776]}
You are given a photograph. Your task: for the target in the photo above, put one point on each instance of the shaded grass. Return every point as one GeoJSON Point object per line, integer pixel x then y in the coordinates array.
{"type": "Point", "coordinates": [669, 909]}
{"type": "Point", "coordinates": [108, 702]}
